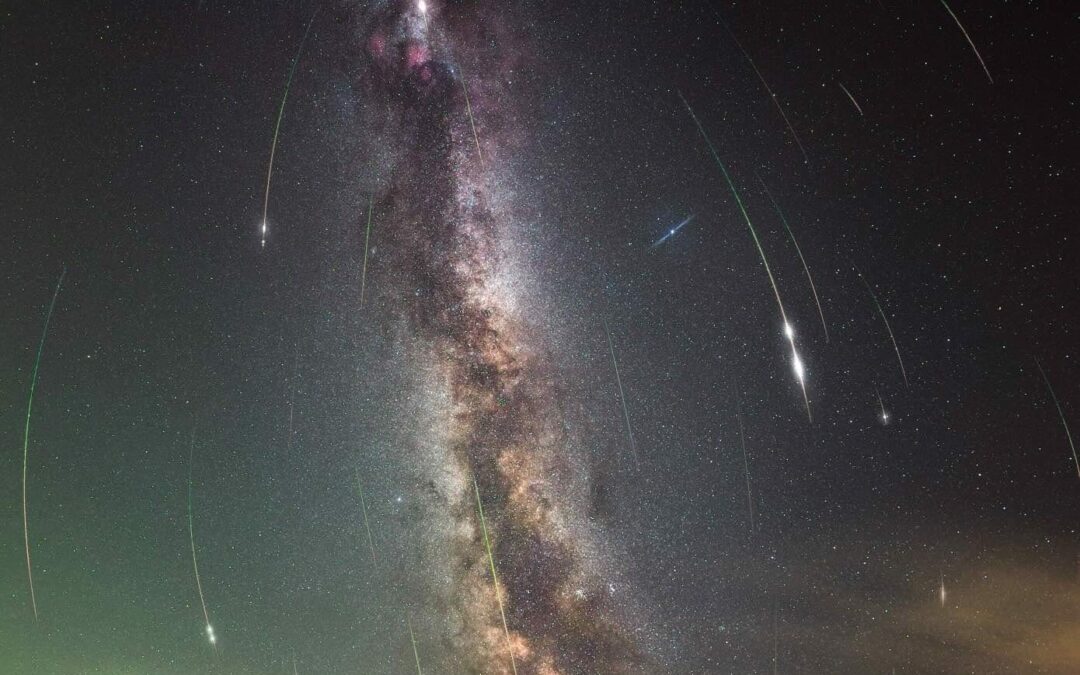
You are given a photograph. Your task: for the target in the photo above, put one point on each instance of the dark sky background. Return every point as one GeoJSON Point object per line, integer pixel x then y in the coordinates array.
{"type": "Point", "coordinates": [135, 145]}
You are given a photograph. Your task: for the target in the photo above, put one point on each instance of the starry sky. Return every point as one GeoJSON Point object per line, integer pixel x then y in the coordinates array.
{"type": "Point", "coordinates": [520, 330]}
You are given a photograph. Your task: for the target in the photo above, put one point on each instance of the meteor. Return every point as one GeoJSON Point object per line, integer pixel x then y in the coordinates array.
{"type": "Point", "coordinates": [367, 239]}
{"type": "Point", "coordinates": [363, 506]}
{"type": "Point", "coordinates": [412, 638]}
{"type": "Point", "coordinates": [941, 590]}
{"type": "Point", "coordinates": [746, 471]}
{"type": "Point", "coordinates": [472, 122]}
{"type": "Point", "coordinates": [884, 320]}
{"type": "Point", "coordinates": [969, 41]}
{"type": "Point", "coordinates": [26, 438]}
{"type": "Point", "coordinates": [884, 415]}
{"type": "Point", "coordinates": [191, 534]}
{"type": "Point", "coordinates": [789, 332]}
{"type": "Point", "coordinates": [671, 233]}
{"type": "Point", "coordinates": [851, 98]}
{"type": "Point", "coordinates": [806, 268]}
{"type": "Point", "coordinates": [277, 129]}
{"type": "Point", "coordinates": [1061, 414]}
{"type": "Point", "coordinates": [622, 397]}
{"type": "Point", "coordinates": [765, 84]}
{"type": "Point", "coordinates": [494, 577]}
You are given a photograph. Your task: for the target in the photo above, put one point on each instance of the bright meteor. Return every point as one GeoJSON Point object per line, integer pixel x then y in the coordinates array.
{"type": "Point", "coordinates": [673, 231]}
{"type": "Point", "coordinates": [1061, 414]}
{"type": "Point", "coordinates": [969, 41]}
{"type": "Point", "coordinates": [210, 636]}
{"type": "Point", "coordinates": [789, 332]}
{"type": "Point", "coordinates": [277, 129]}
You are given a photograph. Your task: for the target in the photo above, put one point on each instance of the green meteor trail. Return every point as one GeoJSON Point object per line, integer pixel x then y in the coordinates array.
{"type": "Point", "coordinates": [1061, 414]}
{"type": "Point", "coordinates": [363, 507]}
{"type": "Point", "coordinates": [191, 535]}
{"type": "Point", "coordinates": [412, 638]}
{"type": "Point", "coordinates": [277, 127]}
{"type": "Point", "coordinates": [622, 396]}
{"type": "Point", "coordinates": [367, 240]}
{"type": "Point", "coordinates": [494, 575]}
{"type": "Point", "coordinates": [969, 41]}
{"type": "Point", "coordinates": [26, 438]}
{"type": "Point", "coordinates": [789, 332]}
{"type": "Point", "coordinates": [884, 320]}
{"type": "Point", "coordinates": [806, 268]}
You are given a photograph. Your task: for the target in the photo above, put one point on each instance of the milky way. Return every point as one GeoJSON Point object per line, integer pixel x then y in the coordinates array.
{"type": "Point", "coordinates": [499, 415]}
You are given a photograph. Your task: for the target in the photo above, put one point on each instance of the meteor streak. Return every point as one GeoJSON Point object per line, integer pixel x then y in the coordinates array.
{"type": "Point", "coordinates": [412, 638]}
{"type": "Point", "coordinates": [851, 98]}
{"type": "Point", "coordinates": [806, 268]}
{"type": "Point", "coordinates": [472, 122]}
{"type": "Point", "coordinates": [969, 41]}
{"type": "Point", "coordinates": [363, 506]}
{"type": "Point", "coordinates": [941, 590]}
{"type": "Point", "coordinates": [367, 239]}
{"type": "Point", "coordinates": [622, 396]}
{"type": "Point", "coordinates": [671, 233]}
{"type": "Point", "coordinates": [191, 534]}
{"type": "Point", "coordinates": [494, 578]}
{"type": "Point", "coordinates": [884, 320]}
{"type": "Point", "coordinates": [26, 437]}
{"type": "Point", "coordinates": [765, 84]}
{"type": "Point", "coordinates": [1061, 414]}
{"type": "Point", "coordinates": [746, 471]}
{"type": "Point", "coordinates": [789, 332]}
{"type": "Point", "coordinates": [884, 415]}
{"type": "Point", "coordinates": [277, 128]}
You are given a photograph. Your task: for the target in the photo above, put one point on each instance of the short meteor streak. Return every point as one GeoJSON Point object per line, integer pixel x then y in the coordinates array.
{"type": "Point", "coordinates": [277, 128]}
{"type": "Point", "coordinates": [673, 231]}
{"type": "Point", "coordinates": [881, 403]}
{"type": "Point", "coordinates": [851, 98]}
{"type": "Point", "coordinates": [622, 396]}
{"type": "Point", "coordinates": [789, 332]}
{"type": "Point", "coordinates": [746, 471]}
{"type": "Point", "coordinates": [765, 84]}
{"type": "Point", "coordinates": [941, 590]}
{"type": "Point", "coordinates": [26, 438]}
{"type": "Point", "coordinates": [1061, 414]}
{"type": "Point", "coordinates": [472, 122]}
{"type": "Point", "coordinates": [884, 320]}
{"type": "Point", "coordinates": [191, 534]}
{"type": "Point", "coordinates": [806, 268]}
{"type": "Point", "coordinates": [969, 41]}
{"type": "Point", "coordinates": [367, 240]}
{"type": "Point", "coordinates": [412, 639]}
{"type": "Point", "coordinates": [494, 575]}
{"type": "Point", "coordinates": [363, 507]}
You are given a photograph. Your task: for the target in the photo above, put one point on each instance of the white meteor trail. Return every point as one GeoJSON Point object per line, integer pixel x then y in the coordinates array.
{"type": "Point", "coordinates": [881, 403]}
{"type": "Point", "coordinates": [941, 590]}
{"type": "Point", "coordinates": [1061, 414]}
{"type": "Point", "coordinates": [673, 231]}
{"type": "Point", "coordinates": [851, 98]}
{"type": "Point", "coordinates": [622, 396]}
{"type": "Point", "coordinates": [969, 41]}
{"type": "Point", "coordinates": [789, 332]}
{"type": "Point", "coordinates": [885, 320]}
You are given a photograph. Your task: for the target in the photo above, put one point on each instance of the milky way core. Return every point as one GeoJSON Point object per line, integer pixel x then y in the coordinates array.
{"type": "Point", "coordinates": [493, 397]}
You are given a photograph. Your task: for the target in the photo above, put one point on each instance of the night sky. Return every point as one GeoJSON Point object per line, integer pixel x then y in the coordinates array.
{"type": "Point", "coordinates": [558, 311]}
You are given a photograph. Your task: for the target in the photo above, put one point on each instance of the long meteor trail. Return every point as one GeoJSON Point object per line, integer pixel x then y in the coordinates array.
{"type": "Point", "coordinates": [765, 84]}
{"type": "Point", "coordinates": [622, 396]}
{"type": "Point", "coordinates": [1061, 414]}
{"type": "Point", "coordinates": [746, 471]}
{"type": "Point", "coordinates": [191, 535]}
{"type": "Point", "coordinates": [806, 268]}
{"type": "Point", "coordinates": [472, 122]}
{"type": "Point", "coordinates": [969, 41]}
{"type": "Point", "coordinates": [26, 438]}
{"type": "Point", "coordinates": [494, 576]}
{"type": "Point", "coordinates": [415, 651]}
{"type": "Point", "coordinates": [789, 332]}
{"type": "Point", "coordinates": [277, 128]}
{"type": "Point", "coordinates": [851, 98]}
{"type": "Point", "coordinates": [884, 320]}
